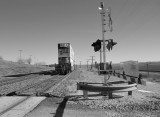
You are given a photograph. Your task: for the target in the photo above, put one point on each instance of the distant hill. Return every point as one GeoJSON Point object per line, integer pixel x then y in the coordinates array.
{"type": "Point", "coordinates": [152, 66]}
{"type": "Point", "coordinates": [11, 68]}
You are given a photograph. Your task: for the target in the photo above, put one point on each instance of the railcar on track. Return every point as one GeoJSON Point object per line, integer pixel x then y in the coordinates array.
{"type": "Point", "coordinates": [65, 58]}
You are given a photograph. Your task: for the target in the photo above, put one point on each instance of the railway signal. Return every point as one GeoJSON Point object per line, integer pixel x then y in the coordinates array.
{"type": "Point", "coordinates": [97, 45]}
{"type": "Point", "coordinates": [110, 44]}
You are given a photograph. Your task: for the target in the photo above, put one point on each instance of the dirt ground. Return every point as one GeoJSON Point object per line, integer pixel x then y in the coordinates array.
{"type": "Point", "coordinates": [144, 102]}
{"type": "Point", "coordinates": [58, 107]}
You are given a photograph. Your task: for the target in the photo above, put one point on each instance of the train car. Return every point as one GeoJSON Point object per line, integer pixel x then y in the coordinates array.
{"type": "Point", "coordinates": [65, 58]}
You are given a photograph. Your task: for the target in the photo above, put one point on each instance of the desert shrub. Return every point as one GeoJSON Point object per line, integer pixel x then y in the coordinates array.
{"type": "Point", "coordinates": [40, 63]}
{"type": "Point", "coordinates": [21, 61]}
{"type": "Point", "coordinates": [28, 61]}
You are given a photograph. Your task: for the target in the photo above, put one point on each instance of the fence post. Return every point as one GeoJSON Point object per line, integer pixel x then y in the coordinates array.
{"type": "Point", "coordinates": [118, 75]}
{"type": "Point", "coordinates": [129, 92]}
{"type": "Point", "coordinates": [133, 80]}
{"type": "Point", "coordinates": [110, 95]}
{"type": "Point", "coordinates": [139, 79]}
{"type": "Point", "coordinates": [99, 70]}
{"type": "Point", "coordinates": [114, 73]}
{"type": "Point", "coordinates": [124, 77]}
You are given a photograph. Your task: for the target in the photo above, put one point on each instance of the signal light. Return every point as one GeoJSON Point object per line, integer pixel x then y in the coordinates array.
{"type": "Point", "coordinates": [102, 5]}
{"type": "Point", "coordinates": [97, 45]}
{"type": "Point", "coordinates": [110, 44]}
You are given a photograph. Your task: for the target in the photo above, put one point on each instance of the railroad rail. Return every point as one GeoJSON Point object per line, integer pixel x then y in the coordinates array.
{"type": "Point", "coordinates": [17, 79]}
{"type": "Point", "coordinates": [20, 105]}
{"type": "Point", "coordinates": [37, 88]}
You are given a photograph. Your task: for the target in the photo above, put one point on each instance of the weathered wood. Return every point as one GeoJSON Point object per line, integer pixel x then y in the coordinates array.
{"type": "Point", "coordinates": [129, 92]}
{"type": "Point", "coordinates": [85, 94]}
{"type": "Point", "coordinates": [110, 95]}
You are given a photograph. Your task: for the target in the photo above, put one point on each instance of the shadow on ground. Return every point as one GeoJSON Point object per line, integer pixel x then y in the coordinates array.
{"type": "Point", "coordinates": [61, 107]}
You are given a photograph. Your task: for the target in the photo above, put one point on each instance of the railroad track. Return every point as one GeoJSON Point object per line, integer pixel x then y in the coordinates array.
{"type": "Point", "coordinates": [18, 106]}
{"type": "Point", "coordinates": [18, 79]}
{"type": "Point", "coordinates": [36, 88]}
{"type": "Point", "coordinates": [8, 86]}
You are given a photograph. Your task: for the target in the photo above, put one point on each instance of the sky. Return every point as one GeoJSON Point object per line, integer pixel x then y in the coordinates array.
{"type": "Point", "coordinates": [37, 26]}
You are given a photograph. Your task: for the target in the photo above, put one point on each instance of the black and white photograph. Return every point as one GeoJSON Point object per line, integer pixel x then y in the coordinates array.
{"type": "Point", "coordinates": [79, 58]}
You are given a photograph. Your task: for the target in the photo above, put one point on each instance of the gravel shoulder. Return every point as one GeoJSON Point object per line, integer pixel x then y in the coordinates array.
{"type": "Point", "coordinates": [144, 102]}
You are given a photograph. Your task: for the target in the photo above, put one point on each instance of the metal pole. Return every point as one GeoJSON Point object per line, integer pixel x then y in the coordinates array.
{"type": "Point", "coordinates": [87, 65]}
{"type": "Point", "coordinates": [20, 54]}
{"type": "Point", "coordinates": [92, 62]}
{"type": "Point", "coordinates": [30, 59]}
{"type": "Point", "coordinates": [100, 55]}
{"type": "Point", "coordinates": [148, 69]}
{"type": "Point", "coordinates": [80, 64]}
{"type": "Point", "coordinates": [100, 68]}
{"type": "Point", "coordinates": [74, 64]}
{"type": "Point", "coordinates": [103, 11]}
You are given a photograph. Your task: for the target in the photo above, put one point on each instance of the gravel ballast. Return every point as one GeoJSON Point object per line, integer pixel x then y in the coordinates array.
{"type": "Point", "coordinates": [141, 103]}
{"type": "Point", "coordinates": [18, 85]}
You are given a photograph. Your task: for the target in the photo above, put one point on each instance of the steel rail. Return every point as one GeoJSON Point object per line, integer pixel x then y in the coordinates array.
{"type": "Point", "coordinates": [54, 80]}
{"type": "Point", "coordinates": [42, 85]}
{"type": "Point", "coordinates": [14, 80]}
{"type": "Point", "coordinates": [36, 85]}
{"type": "Point", "coordinates": [14, 105]}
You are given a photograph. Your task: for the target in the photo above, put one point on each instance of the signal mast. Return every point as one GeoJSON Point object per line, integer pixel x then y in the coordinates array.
{"type": "Point", "coordinates": [97, 44]}
{"type": "Point", "coordinates": [103, 11]}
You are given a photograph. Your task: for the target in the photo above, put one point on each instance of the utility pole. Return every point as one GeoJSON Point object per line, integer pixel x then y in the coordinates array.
{"type": "Point", "coordinates": [87, 64]}
{"type": "Point", "coordinates": [100, 57]}
{"type": "Point", "coordinates": [148, 68]}
{"type": "Point", "coordinates": [92, 61]}
{"type": "Point", "coordinates": [74, 65]}
{"type": "Point", "coordinates": [20, 54]}
{"type": "Point", "coordinates": [30, 59]}
{"type": "Point", "coordinates": [80, 64]}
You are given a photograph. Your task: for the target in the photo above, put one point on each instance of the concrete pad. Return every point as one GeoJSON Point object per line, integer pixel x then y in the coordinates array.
{"type": "Point", "coordinates": [24, 107]}
{"type": "Point", "coordinates": [53, 107]}
{"type": "Point", "coordinates": [7, 102]}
